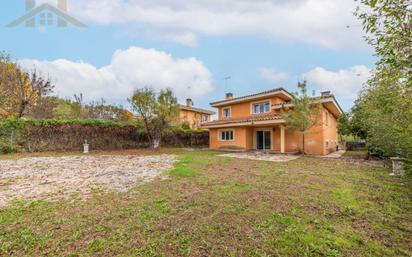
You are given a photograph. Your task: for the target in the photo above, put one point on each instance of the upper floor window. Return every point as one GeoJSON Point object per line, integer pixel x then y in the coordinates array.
{"type": "Point", "coordinates": [226, 112]}
{"type": "Point", "coordinates": [261, 108]}
{"type": "Point", "coordinates": [205, 117]}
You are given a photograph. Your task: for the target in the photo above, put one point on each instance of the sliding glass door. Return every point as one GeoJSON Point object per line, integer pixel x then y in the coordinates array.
{"type": "Point", "coordinates": [263, 140]}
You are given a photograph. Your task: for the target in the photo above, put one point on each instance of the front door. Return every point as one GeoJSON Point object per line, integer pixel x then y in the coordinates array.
{"type": "Point", "coordinates": [263, 140]}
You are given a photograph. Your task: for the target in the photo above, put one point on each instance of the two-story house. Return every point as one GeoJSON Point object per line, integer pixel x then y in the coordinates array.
{"type": "Point", "coordinates": [254, 122]}
{"type": "Point", "coordinates": [193, 116]}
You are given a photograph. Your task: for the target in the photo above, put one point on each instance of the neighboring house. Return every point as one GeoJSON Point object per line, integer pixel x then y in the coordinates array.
{"type": "Point", "coordinates": [193, 116]}
{"type": "Point", "coordinates": [254, 122]}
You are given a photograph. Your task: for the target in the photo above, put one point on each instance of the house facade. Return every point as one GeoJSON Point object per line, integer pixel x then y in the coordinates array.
{"type": "Point", "coordinates": [195, 117]}
{"type": "Point", "coordinates": [254, 122]}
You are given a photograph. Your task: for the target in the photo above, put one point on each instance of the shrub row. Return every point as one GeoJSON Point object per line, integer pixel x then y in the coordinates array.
{"type": "Point", "coordinates": [69, 135]}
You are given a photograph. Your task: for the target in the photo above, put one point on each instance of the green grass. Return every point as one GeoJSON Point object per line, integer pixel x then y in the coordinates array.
{"type": "Point", "coordinates": [357, 154]}
{"type": "Point", "coordinates": [184, 167]}
{"type": "Point", "coordinates": [215, 206]}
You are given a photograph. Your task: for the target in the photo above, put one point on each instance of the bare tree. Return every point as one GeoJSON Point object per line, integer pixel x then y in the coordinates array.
{"type": "Point", "coordinates": [156, 111]}
{"type": "Point", "coordinates": [20, 89]}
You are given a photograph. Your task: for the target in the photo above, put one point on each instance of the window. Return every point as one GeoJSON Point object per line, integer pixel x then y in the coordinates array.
{"type": "Point", "coordinates": [226, 135]}
{"type": "Point", "coordinates": [261, 108]}
{"type": "Point", "coordinates": [205, 117]}
{"type": "Point", "coordinates": [226, 112]}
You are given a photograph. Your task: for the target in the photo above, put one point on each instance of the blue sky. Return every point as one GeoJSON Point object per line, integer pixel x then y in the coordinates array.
{"type": "Point", "coordinates": [191, 46]}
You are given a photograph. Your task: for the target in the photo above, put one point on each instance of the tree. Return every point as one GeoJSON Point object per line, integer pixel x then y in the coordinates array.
{"type": "Point", "coordinates": [383, 115]}
{"type": "Point", "coordinates": [383, 112]}
{"type": "Point", "coordinates": [157, 111]}
{"type": "Point", "coordinates": [44, 108]}
{"type": "Point", "coordinates": [358, 125]}
{"type": "Point", "coordinates": [389, 27]}
{"type": "Point", "coordinates": [344, 126]}
{"type": "Point", "coordinates": [305, 112]}
{"type": "Point", "coordinates": [103, 111]}
{"type": "Point", "coordinates": [19, 89]}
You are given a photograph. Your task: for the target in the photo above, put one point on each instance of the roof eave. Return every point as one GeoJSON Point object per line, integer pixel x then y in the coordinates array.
{"type": "Point", "coordinates": [183, 107]}
{"type": "Point", "coordinates": [252, 97]}
{"type": "Point", "coordinates": [242, 124]}
{"type": "Point", "coordinates": [334, 101]}
{"type": "Point", "coordinates": [331, 99]}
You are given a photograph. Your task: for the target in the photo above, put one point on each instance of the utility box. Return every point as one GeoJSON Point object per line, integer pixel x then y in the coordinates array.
{"type": "Point", "coordinates": [86, 147]}
{"type": "Point", "coordinates": [398, 166]}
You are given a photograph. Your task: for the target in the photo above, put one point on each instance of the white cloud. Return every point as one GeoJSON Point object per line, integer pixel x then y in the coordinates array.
{"type": "Point", "coordinates": [273, 75]}
{"type": "Point", "coordinates": [345, 84]}
{"type": "Point", "coordinates": [318, 22]}
{"type": "Point", "coordinates": [129, 69]}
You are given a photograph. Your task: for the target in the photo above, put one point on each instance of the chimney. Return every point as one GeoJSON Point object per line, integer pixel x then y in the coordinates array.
{"type": "Point", "coordinates": [229, 96]}
{"type": "Point", "coordinates": [30, 4]}
{"type": "Point", "coordinates": [62, 5]}
{"type": "Point", "coordinates": [189, 102]}
{"type": "Point", "coordinates": [325, 94]}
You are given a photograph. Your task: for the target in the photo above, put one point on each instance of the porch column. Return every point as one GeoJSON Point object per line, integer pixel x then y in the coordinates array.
{"type": "Point", "coordinates": [282, 139]}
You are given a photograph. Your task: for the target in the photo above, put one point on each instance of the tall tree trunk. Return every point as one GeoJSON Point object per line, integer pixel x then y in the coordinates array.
{"type": "Point", "coordinates": [156, 143]}
{"type": "Point", "coordinates": [157, 136]}
{"type": "Point", "coordinates": [22, 108]}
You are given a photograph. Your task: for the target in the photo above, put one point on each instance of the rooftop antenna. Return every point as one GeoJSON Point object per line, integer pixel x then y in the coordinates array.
{"type": "Point", "coordinates": [226, 79]}
{"type": "Point", "coordinates": [352, 26]}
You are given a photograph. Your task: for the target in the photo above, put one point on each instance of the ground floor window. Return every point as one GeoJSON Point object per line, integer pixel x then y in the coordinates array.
{"type": "Point", "coordinates": [226, 135]}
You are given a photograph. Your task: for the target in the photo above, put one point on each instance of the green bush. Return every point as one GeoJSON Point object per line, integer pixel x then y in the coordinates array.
{"type": "Point", "coordinates": [23, 123]}
{"type": "Point", "coordinates": [7, 149]}
{"type": "Point", "coordinates": [185, 125]}
{"type": "Point", "coordinates": [68, 135]}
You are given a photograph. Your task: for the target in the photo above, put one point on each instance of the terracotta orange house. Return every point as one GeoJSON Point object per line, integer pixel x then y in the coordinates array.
{"type": "Point", "coordinates": [254, 122]}
{"type": "Point", "coordinates": [193, 116]}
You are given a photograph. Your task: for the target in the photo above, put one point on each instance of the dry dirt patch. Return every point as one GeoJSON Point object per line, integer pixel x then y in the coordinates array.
{"type": "Point", "coordinates": [260, 156]}
{"type": "Point", "coordinates": [59, 177]}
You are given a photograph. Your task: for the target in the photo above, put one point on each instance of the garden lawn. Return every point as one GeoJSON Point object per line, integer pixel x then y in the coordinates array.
{"type": "Point", "coordinates": [219, 206]}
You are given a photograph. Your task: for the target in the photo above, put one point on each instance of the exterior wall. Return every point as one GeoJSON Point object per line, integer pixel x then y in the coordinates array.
{"type": "Point", "coordinates": [330, 132]}
{"type": "Point", "coordinates": [322, 139]}
{"type": "Point", "coordinates": [194, 118]}
{"type": "Point", "coordinates": [315, 139]}
{"type": "Point", "coordinates": [293, 140]}
{"type": "Point", "coordinates": [244, 109]}
{"type": "Point", "coordinates": [249, 138]}
{"type": "Point", "coordinates": [242, 139]}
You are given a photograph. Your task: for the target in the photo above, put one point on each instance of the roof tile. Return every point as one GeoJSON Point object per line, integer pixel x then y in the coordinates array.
{"type": "Point", "coordinates": [251, 118]}
{"type": "Point", "coordinates": [184, 107]}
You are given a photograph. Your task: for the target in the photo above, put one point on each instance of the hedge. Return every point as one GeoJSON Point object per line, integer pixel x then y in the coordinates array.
{"type": "Point", "coordinates": [69, 135]}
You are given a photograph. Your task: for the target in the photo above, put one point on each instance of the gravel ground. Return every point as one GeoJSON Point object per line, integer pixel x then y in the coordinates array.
{"type": "Point", "coordinates": [59, 177]}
